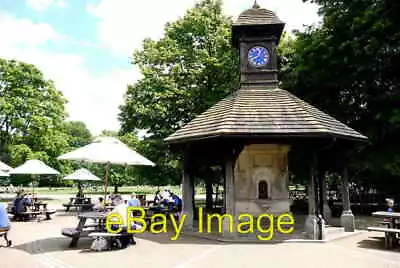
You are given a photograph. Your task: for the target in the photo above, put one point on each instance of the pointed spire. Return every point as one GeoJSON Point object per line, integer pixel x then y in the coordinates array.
{"type": "Point", "coordinates": [256, 5]}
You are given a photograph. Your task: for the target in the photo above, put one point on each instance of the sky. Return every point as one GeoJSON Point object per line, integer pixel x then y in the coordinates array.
{"type": "Point", "coordinates": [85, 46]}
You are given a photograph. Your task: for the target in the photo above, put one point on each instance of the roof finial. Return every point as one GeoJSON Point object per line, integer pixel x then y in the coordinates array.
{"type": "Point", "coordinates": [256, 5]}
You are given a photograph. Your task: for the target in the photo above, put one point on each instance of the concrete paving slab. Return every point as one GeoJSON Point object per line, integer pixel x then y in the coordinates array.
{"type": "Point", "coordinates": [41, 245]}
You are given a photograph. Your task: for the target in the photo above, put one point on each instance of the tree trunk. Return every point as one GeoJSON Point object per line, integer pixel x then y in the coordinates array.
{"type": "Point", "coordinates": [115, 189]}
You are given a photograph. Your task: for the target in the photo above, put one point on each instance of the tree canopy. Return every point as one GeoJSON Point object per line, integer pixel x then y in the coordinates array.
{"type": "Point", "coordinates": [348, 67]}
{"type": "Point", "coordinates": [33, 118]}
{"type": "Point", "coordinates": [184, 73]}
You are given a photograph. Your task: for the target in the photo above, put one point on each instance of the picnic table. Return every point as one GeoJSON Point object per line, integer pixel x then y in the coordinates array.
{"type": "Point", "coordinates": [33, 210]}
{"type": "Point", "coordinates": [80, 203]}
{"type": "Point", "coordinates": [83, 229]}
{"type": "Point", "coordinates": [97, 227]}
{"type": "Point", "coordinates": [39, 206]}
{"type": "Point", "coordinates": [391, 229]}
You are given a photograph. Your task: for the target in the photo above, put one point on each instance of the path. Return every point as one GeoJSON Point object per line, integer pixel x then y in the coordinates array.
{"type": "Point", "coordinates": [40, 245]}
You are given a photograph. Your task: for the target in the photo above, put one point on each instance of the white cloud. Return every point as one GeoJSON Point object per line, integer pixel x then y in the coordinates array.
{"type": "Point", "coordinates": [23, 31]}
{"type": "Point", "coordinates": [42, 5]}
{"type": "Point", "coordinates": [92, 99]}
{"type": "Point", "coordinates": [125, 23]}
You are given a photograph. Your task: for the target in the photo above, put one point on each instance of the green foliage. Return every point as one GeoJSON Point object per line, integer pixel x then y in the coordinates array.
{"type": "Point", "coordinates": [32, 121]}
{"type": "Point", "coordinates": [19, 153]}
{"type": "Point", "coordinates": [184, 73]}
{"type": "Point", "coordinates": [28, 102]}
{"type": "Point", "coordinates": [78, 134]}
{"type": "Point", "coordinates": [349, 68]}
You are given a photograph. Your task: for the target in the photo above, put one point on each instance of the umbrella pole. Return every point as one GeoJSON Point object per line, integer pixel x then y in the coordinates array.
{"type": "Point", "coordinates": [106, 168]}
{"type": "Point", "coordinates": [33, 184]}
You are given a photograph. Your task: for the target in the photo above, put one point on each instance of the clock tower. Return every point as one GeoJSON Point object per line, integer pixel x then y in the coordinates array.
{"type": "Point", "coordinates": [256, 35]}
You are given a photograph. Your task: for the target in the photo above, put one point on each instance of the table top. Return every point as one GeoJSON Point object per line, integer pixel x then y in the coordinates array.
{"type": "Point", "coordinates": [93, 215]}
{"type": "Point", "coordinates": [386, 214]}
{"type": "Point", "coordinates": [40, 203]}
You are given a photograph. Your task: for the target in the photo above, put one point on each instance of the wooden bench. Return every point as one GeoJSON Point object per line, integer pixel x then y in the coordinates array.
{"type": "Point", "coordinates": [49, 212]}
{"type": "Point", "coordinates": [73, 232]}
{"type": "Point", "coordinates": [70, 232]}
{"type": "Point", "coordinates": [104, 234]}
{"type": "Point", "coordinates": [3, 233]}
{"type": "Point", "coordinates": [390, 235]}
{"type": "Point", "coordinates": [86, 230]}
{"type": "Point", "coordinates": [30, 214]}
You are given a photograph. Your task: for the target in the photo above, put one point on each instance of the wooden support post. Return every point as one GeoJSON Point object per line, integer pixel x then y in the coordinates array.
{"type": "Point", "coordinates": [326, 211]}
{"type": "Point", "coordinates": [229, 194]}
{"type": "Point", "coordinates": [311, 225]}
{"type": "Point", "coordinates": [347, 217]}
{"type": "Point", "coordinates": [187, 196]}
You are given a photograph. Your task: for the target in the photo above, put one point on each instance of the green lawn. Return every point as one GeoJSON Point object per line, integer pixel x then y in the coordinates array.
{"type": "Point", "coordinates": [142, 189]}
{"type": "Point", "coordinates": [66, 192]}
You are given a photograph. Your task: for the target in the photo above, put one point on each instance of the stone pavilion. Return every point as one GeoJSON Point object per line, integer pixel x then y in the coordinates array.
{"type": "Point", "coordinates": [251, 132]}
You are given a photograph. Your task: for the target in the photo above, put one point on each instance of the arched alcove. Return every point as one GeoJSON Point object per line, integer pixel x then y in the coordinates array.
{"type": "Point", "coordinates": [263, 190]}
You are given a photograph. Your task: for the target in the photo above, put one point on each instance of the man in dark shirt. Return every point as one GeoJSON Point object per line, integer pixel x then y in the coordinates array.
{"type": "Point", "coordinates": [19, 205]}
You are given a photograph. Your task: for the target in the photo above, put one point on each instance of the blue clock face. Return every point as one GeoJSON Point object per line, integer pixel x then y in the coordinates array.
{"type": "Point", "coordinates": [258, 56]}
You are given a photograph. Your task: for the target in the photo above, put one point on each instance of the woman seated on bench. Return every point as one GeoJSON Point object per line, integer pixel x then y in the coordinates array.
{"type": "Point", "coordinates": [4, 222]}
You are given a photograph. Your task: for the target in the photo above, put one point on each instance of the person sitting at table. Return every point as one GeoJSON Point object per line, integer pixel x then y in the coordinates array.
{"type": "Point", "coordinates": [99, 205]}
{"type": "Point", "coordinates": [28, 198]}
{"type": "Point", "coordinates": [20, 205]}
{"type": "Point", "coordinates": [390, 204]}
{"type": "Point", "coordinates": [28, 201]}
{"type": "Point", "coordinates": [4, 221]}
{"type": "Point", "coordinates": [79, 194]}
{"type": "Point", "coordinates": [157, 198]}
{"type": "Point", "coordinates": [17, 206]}
{"type": "Point", "coordinates": [122, 209]}
{"type": "Point", "coordinates": [177, 202]}
{"type": "Point", "coordinates": [134, 201]}
{"type": "Point", "coordinates": [166, 195]}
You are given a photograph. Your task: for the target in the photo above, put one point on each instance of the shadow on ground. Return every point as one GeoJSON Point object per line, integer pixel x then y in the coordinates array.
{"type": "Point", "coordinates": [57, 244]}
{"type": "Point", "coordinates": [376, 243]}
{"type": "Point", "coordinates": [52, 244]}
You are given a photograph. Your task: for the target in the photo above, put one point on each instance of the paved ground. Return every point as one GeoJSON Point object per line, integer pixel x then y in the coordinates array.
{"type": "Point", "coordinates": [40, 245]}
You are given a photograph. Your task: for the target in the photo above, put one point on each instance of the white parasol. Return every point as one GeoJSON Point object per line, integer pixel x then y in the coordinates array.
{"type": "Point", "coordinates": [3, 173]}
{"type": "Point", "coordinates": [107, 150]}
{"type": "Point", "coordinates": [4, 167]}
{"type": "Point", "coordinates": [34, 167]}
{"type": "Point", "coordinates": [82, 175]}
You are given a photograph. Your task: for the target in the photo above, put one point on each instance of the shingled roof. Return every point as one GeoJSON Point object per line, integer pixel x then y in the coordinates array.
{"type": "Point", "coordinates": [257, 16]}
{"type": "Point", "coordinates": [262, 110]}
{"type": "Point", "coordinates": [266, 112]}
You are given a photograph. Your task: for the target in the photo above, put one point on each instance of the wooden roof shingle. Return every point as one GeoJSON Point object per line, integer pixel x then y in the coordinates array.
{"type": "Point", "coordinates": [256, 110]}
{"type": "Point", "coordinates": [257, 16]}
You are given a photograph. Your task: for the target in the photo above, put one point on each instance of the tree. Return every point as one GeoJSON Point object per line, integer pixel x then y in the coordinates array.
{"type": "Point", "coordinates": [348, 68]}
{"type": "Point", "coordinates": [28, 102]}
{"type": "Point", "coordinates": [184, 73]}
{"type": "Point", "coordinates": [79, 134]}
{"type": "Point", "coordinates": [32, 119]}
